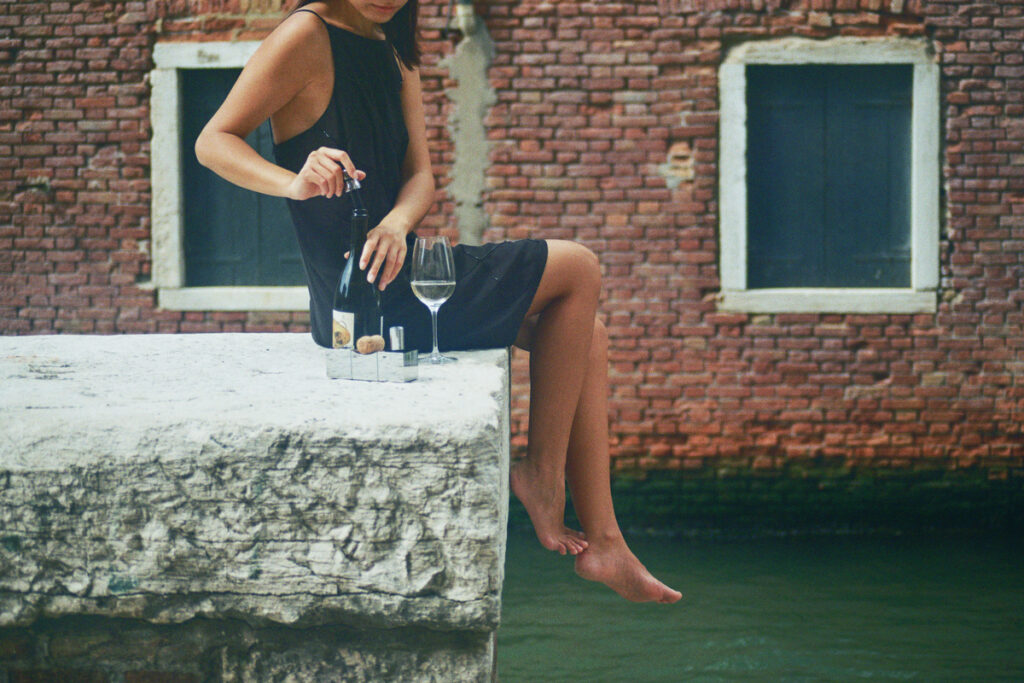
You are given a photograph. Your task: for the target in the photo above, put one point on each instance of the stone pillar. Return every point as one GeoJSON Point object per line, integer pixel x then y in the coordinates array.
{"type": "Point", "coordinates": [213, 507]}
{"type": "Point", "coordinates": [473, 98]}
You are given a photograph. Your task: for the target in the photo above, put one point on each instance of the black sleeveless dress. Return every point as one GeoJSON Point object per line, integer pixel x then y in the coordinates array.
{"type": "Point", "coordinates": [495, 283]}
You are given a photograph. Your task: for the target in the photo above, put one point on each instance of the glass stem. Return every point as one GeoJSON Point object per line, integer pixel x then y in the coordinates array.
{"type": "Point", "coordinates": [435, 355]}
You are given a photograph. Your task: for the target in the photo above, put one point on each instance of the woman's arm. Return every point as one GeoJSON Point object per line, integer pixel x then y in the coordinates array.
{"type": "Point", "coordinates": [417, 193]}
{"type": "Point", "coordinates": [276, 76]}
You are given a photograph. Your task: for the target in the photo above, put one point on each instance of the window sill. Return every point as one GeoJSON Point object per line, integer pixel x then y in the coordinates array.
{"type": "Point", "coordinates": [827, 300]}
{"type": "Point", "coordinates": [234, 298]}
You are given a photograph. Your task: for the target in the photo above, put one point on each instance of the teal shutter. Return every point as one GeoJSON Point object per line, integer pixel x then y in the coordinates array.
{"type": "Point", "coordinates": [233, 236]}
{"type": "Point", "coordinates": [828, 184]}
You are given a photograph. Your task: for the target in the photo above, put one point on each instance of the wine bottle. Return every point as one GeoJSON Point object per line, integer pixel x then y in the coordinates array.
{"type": "Point", "coordinates": [357, 310]}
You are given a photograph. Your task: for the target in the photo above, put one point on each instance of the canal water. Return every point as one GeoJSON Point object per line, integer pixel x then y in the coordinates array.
{"type": "Point", "coordinates": [797, 609]}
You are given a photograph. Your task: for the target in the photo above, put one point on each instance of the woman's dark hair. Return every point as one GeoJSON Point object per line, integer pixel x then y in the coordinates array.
{"type": "Point", "coordinates": [400, 32]}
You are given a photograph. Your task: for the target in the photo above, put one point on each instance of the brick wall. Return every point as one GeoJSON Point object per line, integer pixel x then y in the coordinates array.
{"type": "Point", "coordinates": [605, 131]}
{"type": "Point", "coordinates": [601, 103]}
{"type": "Point", "coordinates": [74, 168]}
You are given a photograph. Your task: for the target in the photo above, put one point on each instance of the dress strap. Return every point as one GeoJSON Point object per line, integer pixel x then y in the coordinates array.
{"type": "Point", "coordinates": [302, 9]}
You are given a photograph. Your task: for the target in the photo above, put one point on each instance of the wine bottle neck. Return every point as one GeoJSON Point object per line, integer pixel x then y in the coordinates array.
{"type": "Point", "coordinates": [358, 225]}
{"type": "Point", "coordinates": [355, 196]}
{"type": "Point", "coordinates": [357, 232]}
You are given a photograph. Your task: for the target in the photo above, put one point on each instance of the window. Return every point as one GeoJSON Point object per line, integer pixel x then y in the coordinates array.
{"type": "Point", "coordinates": [829, 177]}
{"type": "Point", "coordinates": [232, 236]}
{"type": "Point", "coordinates": [215, 246]}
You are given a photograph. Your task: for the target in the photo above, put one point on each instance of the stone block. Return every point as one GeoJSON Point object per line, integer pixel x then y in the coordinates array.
{"type": "Point", "coordinates": [165, 478]}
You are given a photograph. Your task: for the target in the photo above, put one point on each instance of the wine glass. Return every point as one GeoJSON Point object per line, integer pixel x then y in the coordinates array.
{"type": "Point", "coordinates": [433, 280]}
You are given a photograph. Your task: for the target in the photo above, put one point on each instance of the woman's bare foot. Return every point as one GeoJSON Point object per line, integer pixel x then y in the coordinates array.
{"type": "Point", "coordinates": [545, 503]}
{"type": "Point", "coordinates": [614, 564]}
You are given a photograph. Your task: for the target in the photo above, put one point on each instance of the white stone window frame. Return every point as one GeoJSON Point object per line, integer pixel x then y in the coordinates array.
{"type": "Point", "coordinates": [921, 296]}
{"type": "Point", "coordinates": [167, 213]}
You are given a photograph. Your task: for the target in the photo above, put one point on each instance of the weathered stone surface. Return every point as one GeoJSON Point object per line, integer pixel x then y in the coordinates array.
{"type": "Point", "coordinates": [164, 477]}
{"type": "Point", "coordinates": [232, 651]}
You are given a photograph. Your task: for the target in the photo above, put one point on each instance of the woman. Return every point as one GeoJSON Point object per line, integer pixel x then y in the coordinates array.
{"type": "Point", "coordinates": [338, 80]}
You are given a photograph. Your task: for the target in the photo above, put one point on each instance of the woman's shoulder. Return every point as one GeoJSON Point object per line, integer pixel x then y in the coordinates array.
{"type": "Point", "coordinates": [300, 32]}
{"type": "Point", "coordinates": [302, 24]}
{"type": "Point", "coordinates": [298, 44]}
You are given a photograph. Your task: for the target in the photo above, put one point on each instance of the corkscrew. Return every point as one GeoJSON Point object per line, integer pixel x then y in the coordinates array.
{"type": "Point", "coordinates": [350, 182]}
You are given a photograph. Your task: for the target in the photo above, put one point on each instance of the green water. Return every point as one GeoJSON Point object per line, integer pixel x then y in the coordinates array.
{"type": "Point", "coordinates": [835, 609]}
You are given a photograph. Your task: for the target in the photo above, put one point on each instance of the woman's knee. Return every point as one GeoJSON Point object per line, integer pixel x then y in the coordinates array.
{"type": "Point", "coordinates": [591, 265]}
{"type": "Point", "coordinates": [571, 270]}
{"type": "Point", "coordinates": [583, 263]}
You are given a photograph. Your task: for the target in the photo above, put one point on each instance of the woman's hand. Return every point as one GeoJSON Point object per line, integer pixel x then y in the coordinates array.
{"type": "Point", "coordinates": [321, 175]}
{"type": "Point", "coordinates": [388, 241]}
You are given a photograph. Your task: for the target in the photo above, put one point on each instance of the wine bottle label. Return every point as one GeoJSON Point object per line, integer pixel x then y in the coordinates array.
{"type": "Point", "coordinates": [343, 327]}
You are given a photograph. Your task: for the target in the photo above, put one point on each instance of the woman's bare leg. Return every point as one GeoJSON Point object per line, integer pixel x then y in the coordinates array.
{"type": "Point", "coordinates": [607, 558]}
{"type": "Point", "coordinates": [569, 427]}
{"type": "Point", "coordinates": [565, 305]}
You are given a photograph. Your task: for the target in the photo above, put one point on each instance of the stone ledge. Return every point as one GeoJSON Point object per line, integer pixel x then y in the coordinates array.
{"type": "Point", "coordinates": [165, 477]}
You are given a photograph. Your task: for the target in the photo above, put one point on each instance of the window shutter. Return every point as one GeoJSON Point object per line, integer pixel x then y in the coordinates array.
{"type": "Point", "coordinates": [867, 162]}
{"type": "Point", "coordinates": [233, 236]}
{"type": "Point", "coordinates": [786, 133]}
{"type": "Point", "coordinates": [828, 176]}
{"type": "Point", "coordinates": [279, 259]}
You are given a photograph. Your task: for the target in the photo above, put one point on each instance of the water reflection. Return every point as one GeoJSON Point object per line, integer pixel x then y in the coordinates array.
{"type": "Point", "coordinates": [835, 609]}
